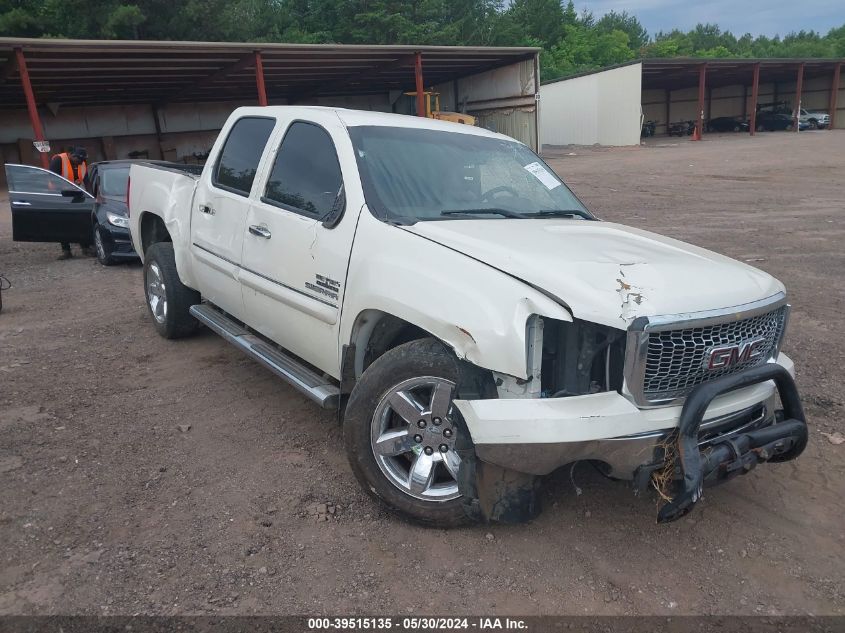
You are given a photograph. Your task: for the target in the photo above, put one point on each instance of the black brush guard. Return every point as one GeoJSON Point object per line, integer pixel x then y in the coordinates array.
{"type": "Point", "coordinates": [731, 455]}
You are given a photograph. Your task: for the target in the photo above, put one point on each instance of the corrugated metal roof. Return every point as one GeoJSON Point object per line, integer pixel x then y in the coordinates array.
{"type": "Point", "coordinates": [100, 72]}
{"type": "Point", "coordinates": [682, 72]}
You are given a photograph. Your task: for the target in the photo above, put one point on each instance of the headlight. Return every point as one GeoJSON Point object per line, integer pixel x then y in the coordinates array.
{"type": "Point", "coordinates": [118, 220]}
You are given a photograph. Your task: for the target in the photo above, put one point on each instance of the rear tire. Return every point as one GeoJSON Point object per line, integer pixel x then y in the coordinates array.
{"type": "Point", "coordinates": [401, 427]}
{"type": "Point", "coordinates": [168, 299]}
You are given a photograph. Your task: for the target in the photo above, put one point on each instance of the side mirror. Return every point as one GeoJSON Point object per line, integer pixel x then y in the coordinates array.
{"type": "Point", "coordinates": [72, 193]}
{"type": "Point", "coordinates": [338, 207]}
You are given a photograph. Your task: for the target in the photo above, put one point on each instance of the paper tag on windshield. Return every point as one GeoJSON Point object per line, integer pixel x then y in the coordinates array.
{"type": "Point", "coordinates": [542, 174]}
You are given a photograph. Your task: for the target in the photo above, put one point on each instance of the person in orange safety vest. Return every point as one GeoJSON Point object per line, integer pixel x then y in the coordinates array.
{"type": "Point", "coordinates": [72, 166]}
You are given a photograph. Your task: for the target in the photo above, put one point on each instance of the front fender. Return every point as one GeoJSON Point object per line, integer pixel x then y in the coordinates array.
{"type": "Point", "coordinates": [480, 312]}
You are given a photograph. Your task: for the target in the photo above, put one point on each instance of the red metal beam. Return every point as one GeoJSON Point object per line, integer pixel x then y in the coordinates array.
{"type": "Point", "coordinates": [699, 123]}
{"type": "Point", "coordinates": [31, 106]}
{"type": "Point", "coordinates": [419, 81]}
{"type": "Point", "coordinates": [834, 93]}
{"type": "Point", "coordinates": [799, 86]}
{"type": "Point", "coordinates": [755, 93]}
{"type": "Point", "coordinates": [259, 79]}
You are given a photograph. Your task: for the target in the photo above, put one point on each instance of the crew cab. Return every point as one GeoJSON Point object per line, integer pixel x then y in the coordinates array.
{"type": "Point", "coordinates": [475, 326]}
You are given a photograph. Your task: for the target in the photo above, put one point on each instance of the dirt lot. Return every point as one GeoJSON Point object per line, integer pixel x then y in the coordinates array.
{"type": "Point", "coordinates": [107, 507]}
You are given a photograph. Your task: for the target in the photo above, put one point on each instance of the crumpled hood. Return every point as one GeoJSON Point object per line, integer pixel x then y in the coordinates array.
{"type": "Point", "coordinates": [606, 273]}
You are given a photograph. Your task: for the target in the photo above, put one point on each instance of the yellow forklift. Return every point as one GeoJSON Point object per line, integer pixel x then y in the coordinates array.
{"type": "Point", "coordinates": [437, 113]}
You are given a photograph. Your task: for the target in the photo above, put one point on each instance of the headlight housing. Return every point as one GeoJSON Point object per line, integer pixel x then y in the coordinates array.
{"type": "Point", "coordinates": [117, 220]}
{"type": "Point", "coordinates": [580, 358]}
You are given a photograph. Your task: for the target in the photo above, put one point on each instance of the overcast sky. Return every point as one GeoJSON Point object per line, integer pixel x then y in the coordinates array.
{"type": "Point", "coordinates": [758, 17]}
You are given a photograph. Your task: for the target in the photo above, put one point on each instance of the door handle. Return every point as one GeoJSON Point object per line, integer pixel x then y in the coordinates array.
{"type": "Point", "coordinates": [204, 208]}
{"type": "Point", "coordinates": [260, 231]}
{"type": "Point", "coordinates": [21, 203]}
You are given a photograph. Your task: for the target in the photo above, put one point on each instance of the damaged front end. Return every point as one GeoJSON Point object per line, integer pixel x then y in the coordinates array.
{"type": "Point", "coordinates": [682, 468]}
{"type": "Point", "coordinates": [671, 403]}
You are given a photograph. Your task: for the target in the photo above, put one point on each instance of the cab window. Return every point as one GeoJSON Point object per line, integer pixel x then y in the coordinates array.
{"type": "Point", "coordinates": [238, 162]}
{"type": "Point", "coordinates": [306, 176]}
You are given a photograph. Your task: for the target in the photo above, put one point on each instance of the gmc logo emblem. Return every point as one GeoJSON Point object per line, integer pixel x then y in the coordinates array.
{"type": "Point", "coordinates": [731, 355]}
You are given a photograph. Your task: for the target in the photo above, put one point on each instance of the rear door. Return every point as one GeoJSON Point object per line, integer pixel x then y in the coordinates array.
{"type": "Point", "coordinates": [218, 217]}
{"type": "Point", "coordinates": [46, 207]}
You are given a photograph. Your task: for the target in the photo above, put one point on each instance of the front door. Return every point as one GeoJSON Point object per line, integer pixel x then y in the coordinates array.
{"type": "Point", "coordinates": [219, 213]}
{"type": "Point", "coordinates": [298, 237]}
{"type": "Point", "coordinates": [47, 208]}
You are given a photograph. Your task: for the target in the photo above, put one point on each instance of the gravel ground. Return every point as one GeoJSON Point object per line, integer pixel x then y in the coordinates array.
{"type": "Point", "coordinates": [110, 504]}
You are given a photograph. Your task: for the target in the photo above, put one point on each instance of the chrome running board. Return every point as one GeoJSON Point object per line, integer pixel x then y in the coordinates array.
{"type": "Point", "coordinates": [301, 377]}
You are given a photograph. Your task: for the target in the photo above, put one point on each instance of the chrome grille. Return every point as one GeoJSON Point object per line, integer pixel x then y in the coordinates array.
{"type": "Point", "coordinates": [674, 358]}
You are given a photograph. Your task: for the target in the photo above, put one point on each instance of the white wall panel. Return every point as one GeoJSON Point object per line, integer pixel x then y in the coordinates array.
{"type": "Point", "coordinates": [502, 99]}
{"type": "Point", "coordinates": [602, 108]}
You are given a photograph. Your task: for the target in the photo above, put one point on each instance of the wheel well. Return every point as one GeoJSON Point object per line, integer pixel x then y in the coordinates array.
{"type": "Point", "coordinates": [153, 230]}
{"type": "Point", "coordinates": [377, 332]}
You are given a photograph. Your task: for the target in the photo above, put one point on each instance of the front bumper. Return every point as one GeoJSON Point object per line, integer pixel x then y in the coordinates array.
{"type": "Point", "coordinates": [538, 435]}
{"type": "Point", "coordinates": [733, 416]}
{"type": "Point", "coordinates": [118, 241]}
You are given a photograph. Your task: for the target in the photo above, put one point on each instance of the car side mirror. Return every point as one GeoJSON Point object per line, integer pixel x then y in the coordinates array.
{"type": "Point", "coordinates": [338, 207]}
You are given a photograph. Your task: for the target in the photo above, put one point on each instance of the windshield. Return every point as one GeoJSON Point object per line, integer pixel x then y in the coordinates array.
{"type": "Point", "coordinates": [113, 181]}
{"type": "Point", "coordinates": [414, 174]}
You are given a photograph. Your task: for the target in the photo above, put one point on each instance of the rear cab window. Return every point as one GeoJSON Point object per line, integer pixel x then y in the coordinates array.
{"type": "Point", "coordinates": [306, 177]}
{"type": "Point", "coordinates": [238, 161]}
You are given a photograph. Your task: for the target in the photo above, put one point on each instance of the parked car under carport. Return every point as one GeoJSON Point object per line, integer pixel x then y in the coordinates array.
{"type": "Point", "coordinates": [775, 121]}
{"type": "Point", "coordinates": [727, 124]}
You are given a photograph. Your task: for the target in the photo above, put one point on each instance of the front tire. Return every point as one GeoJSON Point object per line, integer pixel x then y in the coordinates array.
{"type": "Point", "coordinates": [102, 251]}
{"type": "Point", "coordinates": [168, 299]}
{"type": "Point", "coordinates": [401, 429]}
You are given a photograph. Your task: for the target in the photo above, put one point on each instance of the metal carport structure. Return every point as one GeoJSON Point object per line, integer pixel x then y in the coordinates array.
{"type": "Point", "coordinates": [707, 75]}
{"type": "Point", "coordinates": [606, 106]}
{"type": "Point", "coordinates": [48, 77]}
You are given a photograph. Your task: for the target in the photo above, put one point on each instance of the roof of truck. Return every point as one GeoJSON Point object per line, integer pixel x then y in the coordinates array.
{"type": "Point", "coordinates": [356, 118]}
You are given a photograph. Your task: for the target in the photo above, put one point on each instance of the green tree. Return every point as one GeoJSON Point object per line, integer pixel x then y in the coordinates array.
{"type": "Point", "coordinates": [628, 24]}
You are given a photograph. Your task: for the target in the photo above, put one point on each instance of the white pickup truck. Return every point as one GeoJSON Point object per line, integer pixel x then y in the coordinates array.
{"type": "Point", "coordinates": [473, 323]}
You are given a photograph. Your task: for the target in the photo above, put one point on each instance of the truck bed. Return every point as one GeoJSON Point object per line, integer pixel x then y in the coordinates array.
{"type": "Point", "coordinates": [167, 191]}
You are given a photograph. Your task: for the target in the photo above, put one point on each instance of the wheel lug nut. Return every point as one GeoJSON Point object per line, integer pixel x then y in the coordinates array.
{"type": "Point", "coordinates": [443, 448]}
{"type": "Point", "coordinates": [437, 421]}
{"type": "Point", "coordinates": [421, 424]}
{"type": "Point", "coordinates": [447, 432]}
{"type": "Point", "coordinates": [418, 438]}
{"type": "Point", "coordinates": [428, 450]}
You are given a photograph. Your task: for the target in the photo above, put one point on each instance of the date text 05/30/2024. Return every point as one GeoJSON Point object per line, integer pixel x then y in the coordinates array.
{"type": "Point", "coordinates": [416, 624]}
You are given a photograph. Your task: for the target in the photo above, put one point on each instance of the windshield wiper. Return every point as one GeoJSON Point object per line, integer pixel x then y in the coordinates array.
{"type": "Point", "coordinates": [484, 211]}
{"type": "Point", "coordinates": [560, 213]}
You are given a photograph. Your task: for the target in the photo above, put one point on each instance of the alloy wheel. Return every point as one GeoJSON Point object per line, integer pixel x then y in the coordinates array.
{"type": "Point", "coordinates": [156, 293]}
{"type": "Point", "coordinates": [413, 438]}
{"type": "Point", "coordinates": [98, 244]}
